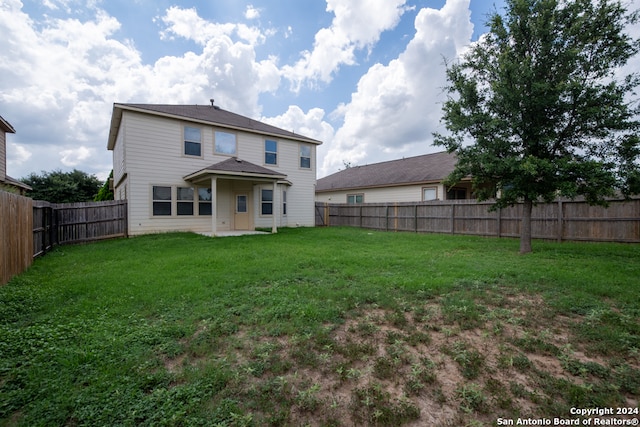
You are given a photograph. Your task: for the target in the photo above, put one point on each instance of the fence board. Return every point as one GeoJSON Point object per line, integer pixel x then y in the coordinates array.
{"type": "Point", "coordinates": [16, 245]}
{"type": "Point", "coordinates": [562, 220]}
{"type": "Point", "coordinates": [77, 223]}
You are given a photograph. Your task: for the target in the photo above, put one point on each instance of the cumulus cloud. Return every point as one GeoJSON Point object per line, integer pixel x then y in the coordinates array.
{"type": "Point", "coordinates": [188, 24]}
{"type": "Point", "coordinates": [395, 108]}
{"type": "Point", "coordinates": [61, 77]}
{"type": "Point", "coordinates": [357, 24]}
{"type": "Point", "coordinates": [73, 157]}
{"type": "Point", "coordinates": [252, 12]}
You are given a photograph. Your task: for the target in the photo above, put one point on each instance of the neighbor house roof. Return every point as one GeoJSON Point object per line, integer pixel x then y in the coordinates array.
{"type": "Point", "coordinates": [207, 114]}
{"type": "Point", "coordinates": [410, 170]}
{"type": "Point", "coordinates": [235, 167]}
{"type": "Point", "coordinates": [6, 126]}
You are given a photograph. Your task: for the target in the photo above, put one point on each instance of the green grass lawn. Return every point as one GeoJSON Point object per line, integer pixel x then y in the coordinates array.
{"type": "Point", "coordinates": [325, 326]}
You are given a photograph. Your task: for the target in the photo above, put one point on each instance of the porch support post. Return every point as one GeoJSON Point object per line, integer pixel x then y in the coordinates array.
{"type": "Point", "coordinates": [214, 206]}
{"type": "Point", "coordinates": [276, 210]}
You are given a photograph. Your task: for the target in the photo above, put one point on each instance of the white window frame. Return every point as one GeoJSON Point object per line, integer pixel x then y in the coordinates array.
{"type": "Point", "coordinates": [267, 152]}
{"type": "Point", "coordinates": [182, 200]}
{"type": "Point", "coordinates": [435, 190]}
{"type": "Point", "coordinates": [263, 202]}
{"type": "Point", "coordinates": [305, 146]}
{"type": "Point", "coordinates": [155, 200]}
{"type": "Point", "coordinates": [352, 199]}
{"type": "Point", "coordinates": [191, 141]}
{"type": "Point", "coordinates": [215, 143]}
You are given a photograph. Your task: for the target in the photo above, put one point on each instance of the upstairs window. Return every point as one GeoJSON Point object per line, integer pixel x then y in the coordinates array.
{"type": "Point", "coordinates": [192, 141]}
{"type": "Point", "coordinates": [225, 143]}
{"type": "Point", "coordinates": [305, 156]}
{"type": "Point", "coordinates": [161, 201]}
{"type": "Point", "coordinates": [270, 152]}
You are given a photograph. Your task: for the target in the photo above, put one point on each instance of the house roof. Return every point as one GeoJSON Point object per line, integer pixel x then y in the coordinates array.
{"type": "Point", "coordinates": [236, 168]}
{"type": "Point", "coordinates": [6, 126]}
{"type": "Point", "coordinates": [427, 168]}
{"type": "Point", "coordinates": [207, 114]}
{"type": "Point", "coordinates": [15, 183]}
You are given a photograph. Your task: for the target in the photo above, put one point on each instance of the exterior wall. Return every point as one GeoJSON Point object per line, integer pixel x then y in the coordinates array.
{"type": "Point", "coordinates": [149, 151]}
{"type": "Point", "coordinates": [407, 193]}
{"type": "Point", "coordinates": [3, 155]}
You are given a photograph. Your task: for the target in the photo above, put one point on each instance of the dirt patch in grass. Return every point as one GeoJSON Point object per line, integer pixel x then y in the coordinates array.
{"type": "Point", "coordinates": [447, 360]}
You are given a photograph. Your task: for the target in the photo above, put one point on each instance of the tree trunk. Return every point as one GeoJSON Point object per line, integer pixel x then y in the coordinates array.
{"type": "Point", "coordinates": [525, 230]}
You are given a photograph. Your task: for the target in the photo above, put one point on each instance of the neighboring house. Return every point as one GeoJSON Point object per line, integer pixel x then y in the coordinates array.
{"type": "Point", "coordinates": [410, 179]}
{"type": "Point", "coordinates": [6, 182]}
{"type": "Point", "coordinates": [203, 169]}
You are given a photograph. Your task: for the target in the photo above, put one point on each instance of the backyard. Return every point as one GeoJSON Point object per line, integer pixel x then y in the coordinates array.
{"type": "Point", "coordinates": [321, 327]}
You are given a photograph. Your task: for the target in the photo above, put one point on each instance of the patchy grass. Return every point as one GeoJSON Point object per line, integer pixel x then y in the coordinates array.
{"type": "Point", "coordinates": [324, 327]}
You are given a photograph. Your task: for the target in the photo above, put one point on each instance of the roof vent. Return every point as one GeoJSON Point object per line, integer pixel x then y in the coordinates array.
{"type": "Point", "coordinates": [215, 107]}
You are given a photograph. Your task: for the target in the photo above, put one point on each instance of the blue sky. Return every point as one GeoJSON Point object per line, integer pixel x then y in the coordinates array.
{"type": "Point", "coordinates": [363, 76]}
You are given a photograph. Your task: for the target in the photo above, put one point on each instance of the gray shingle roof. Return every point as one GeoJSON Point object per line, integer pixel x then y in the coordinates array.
{"type": "Point", "coordinates": [213, 115]}
{"type": "Point", "coordinates": [236, 167]}
{"type": "Point", "coordinates": [241, 166]}
{"type": "Point", "coordinates": [419, 169]}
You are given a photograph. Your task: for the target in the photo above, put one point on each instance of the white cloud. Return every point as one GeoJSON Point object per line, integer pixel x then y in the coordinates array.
{"type": "Point", "coordinates": [188, 24]}
{"type": "Point", "coordinates": [252, 12]}
{"type": "Point", "coordinates": [67, 73]}
{"type": "Point", "coordinates": [17, 154]}
{"type": "Point", "coordinates": [395, 108]}
{"type": "Point", "coordinates": [357, 24]}
{"type": "Point", "coordinates": [74, 156]}
{"type": "Point", "coordinates": [310, 124]}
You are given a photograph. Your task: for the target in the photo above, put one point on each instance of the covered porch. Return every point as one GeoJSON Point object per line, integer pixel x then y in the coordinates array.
{"type": "Point", "coordinates": [234, 205]}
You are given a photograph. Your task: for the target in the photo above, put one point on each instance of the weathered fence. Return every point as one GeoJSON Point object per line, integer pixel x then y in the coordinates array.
{"type": "Point", "coordinates": [58, 224]}
{"type": "Point", "coordinates": [561, 220]}
{"type": "Point", "coordinates": [16, 242]}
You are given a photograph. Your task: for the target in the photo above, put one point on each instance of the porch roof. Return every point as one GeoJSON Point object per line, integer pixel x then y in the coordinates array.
{"type": "Point", "coordinates": [238, 169]}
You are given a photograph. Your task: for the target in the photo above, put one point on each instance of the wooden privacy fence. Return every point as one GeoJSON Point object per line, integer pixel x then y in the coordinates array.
{"type": "Point", "coordinates": [562, 220]}
{"type": "Point", "coordinates": [16, 231]}
{"type": "Point", "coordinates": [59, 224]}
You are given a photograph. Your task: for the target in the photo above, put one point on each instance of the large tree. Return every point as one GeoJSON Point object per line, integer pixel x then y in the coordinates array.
{"type": "Point", "coordinates": [63, 187]}
{"type": "Point", "coordinates": [538, 108]}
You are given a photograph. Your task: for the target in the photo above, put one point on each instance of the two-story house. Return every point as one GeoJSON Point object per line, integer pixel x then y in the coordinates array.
{"type": "Point", "coordinates": [203, 169]}
{"type": "Point", "coordinates": [6, 182]}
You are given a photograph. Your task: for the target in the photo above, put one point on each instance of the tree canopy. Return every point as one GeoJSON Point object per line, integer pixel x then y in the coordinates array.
{"type": "Point", "coordinates": [538, 108]}
{"type": "Point", "coordinates": [105, 193]}
{"type": "Point", "coordinates": [63, 187]}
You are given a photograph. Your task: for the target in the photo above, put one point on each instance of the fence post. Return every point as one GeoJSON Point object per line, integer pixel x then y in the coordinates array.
{"type": "Point", "coordinates": [326, 214]}
{"type": "Point", "coordinates": [560, 220]}
{"type": "Point", "coordinates": [453, 218]}
{"type": "Point", "coordinates": [387, 218]}
{"type": "Point", "coordinates": [395, 217]}
{"type": "Point", "coordinates": [499, 231]}
{"type": "Point", "coordinates": [415, 217]}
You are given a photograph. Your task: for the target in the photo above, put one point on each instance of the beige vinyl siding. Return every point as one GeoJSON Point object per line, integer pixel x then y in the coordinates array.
{"type": "Point", "coordinates": [3, 155]}
{"type": "Point", "coordinates": [153, 156]}
{"type": "Point", "coordinates": [406, 193]}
